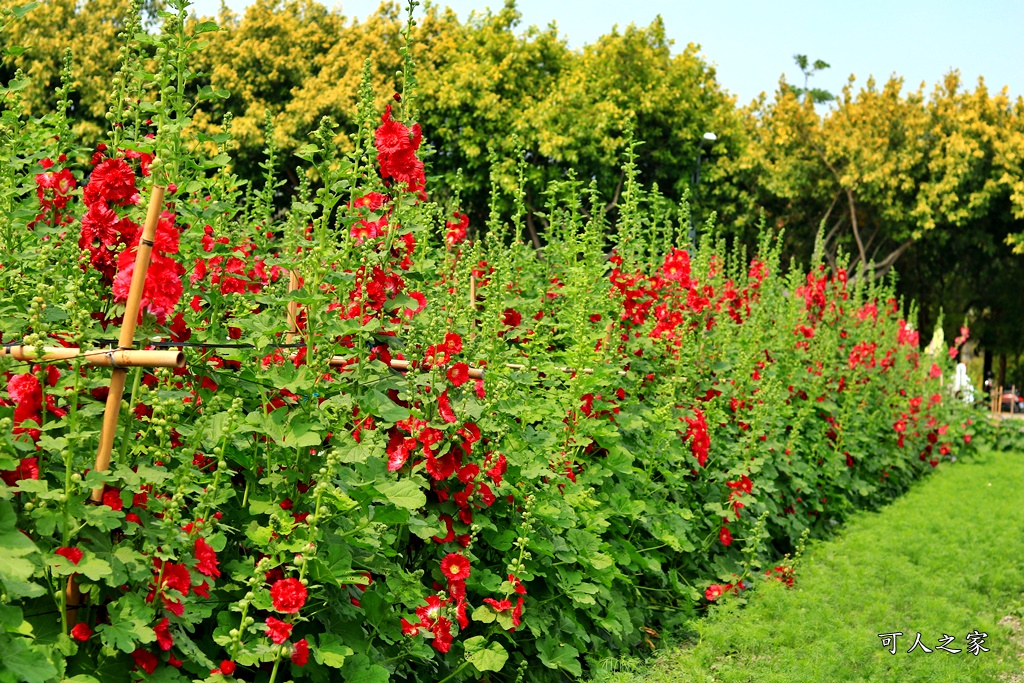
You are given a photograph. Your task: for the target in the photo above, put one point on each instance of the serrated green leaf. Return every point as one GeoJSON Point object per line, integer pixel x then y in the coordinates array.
{"type": "Point", "coordinates": [331, 651]}
{"type": "Point", "coordinates": [404, 494]}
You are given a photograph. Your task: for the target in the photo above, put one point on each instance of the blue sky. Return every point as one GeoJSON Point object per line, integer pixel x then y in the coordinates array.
{"type": "Point", "coordinates": [753, 42]}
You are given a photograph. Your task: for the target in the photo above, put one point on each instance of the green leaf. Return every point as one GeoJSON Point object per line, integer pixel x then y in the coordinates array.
{"type": "Point", "coordinates": [484, 656]}
{"type": "Point", "coordinates": [128, 627]}
{"type": "Point", "coordinates": [555, 655]}
{"type": "Point", "coordinates": [388, 410]}
{"type": "Point", "coordinates": [300, 435]}
{"type": "Point", "coordinates": [404, 494]}
{"type": "Point", "coordinates": [28, 664]}
{"type": "Point", "coordinates": [331, 652]}
{"type": "Point", "coordinates": [484, 614]}
{"type": "Point", "coordinates": [22, 10]}
{"type": "Point", "coordinates": [359, 668]}
{"type": "Point", "coordinates": [94, 568]}
{"type": "Point", "coordinates": [353, 452]}
{"type": "Point", "coordinates": [20, 84]}
{"type": "Point", "coordinates": [188, 646]}
{"type": "Point", "coordinates": [15, 573]}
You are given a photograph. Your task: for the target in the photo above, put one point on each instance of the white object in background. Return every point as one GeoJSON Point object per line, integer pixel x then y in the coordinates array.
{"type": "Point", "coordinates": [962, 387]}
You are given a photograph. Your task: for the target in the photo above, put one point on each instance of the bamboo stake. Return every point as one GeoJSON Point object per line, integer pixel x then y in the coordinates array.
{"type": "Point", "coordinates": [472, 291]}
{"type": "Point", "coordinates": [103, 358]}
{"type": "Point", "coordinates": [125, 340]}
{"type": "Point", "coordinates": [293, 307]}
{"type": "Point", "coordinates": [403, 365]}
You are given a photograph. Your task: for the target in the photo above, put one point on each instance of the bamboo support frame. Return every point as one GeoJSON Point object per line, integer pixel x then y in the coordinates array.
{"type": "Point", "coordinates": [103, 358]}
{"type": "Point", "coordinates": [127, 336]}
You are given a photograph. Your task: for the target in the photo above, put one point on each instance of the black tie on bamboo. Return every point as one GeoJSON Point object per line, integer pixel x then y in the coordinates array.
{"type": "Point", "coordinates": [126, 339]}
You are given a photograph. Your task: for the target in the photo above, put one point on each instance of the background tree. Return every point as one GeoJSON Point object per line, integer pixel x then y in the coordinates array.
{"type": "Point", "coordinates": [929, 183]}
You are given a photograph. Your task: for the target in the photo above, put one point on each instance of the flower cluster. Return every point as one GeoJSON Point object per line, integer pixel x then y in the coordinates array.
{"type": "Point", "coordinates": [396, 153]}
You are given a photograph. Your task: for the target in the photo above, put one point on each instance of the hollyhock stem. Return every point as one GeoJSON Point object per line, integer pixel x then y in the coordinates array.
{"type": "Point", "coordinates": [132, 398]}
{"type": "Point", "coordinates": [454, 673]}
{"type": "Point", "coordinates": [277, 663]}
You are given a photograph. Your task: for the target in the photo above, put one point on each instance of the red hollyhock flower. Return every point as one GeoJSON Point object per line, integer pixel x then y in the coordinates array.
{"type": "Point", "coordinates": [73, 555]}
{"type": "Point", "coordinates": [714, 592]}
{"type": "Point", "coordinates": [460, 613]}
{"type": "Point", "coordinates": [499, 605]}
{"type": "Point", "coordinates": [397, 455]}
{"type": "Point", "coordinates": [163, 634]}
{"type": "Point", "coordinates": [444, 407]}
{"type": "Point", "coordinates": [81, 632]}
{"type": "Point", "coordinates": [206, 558]}
{"type": "Point", "coordinates": [227, 668]}
{"type": "Point", "coordinates": [458, 374]}
{"type": "Point", "coordinates": [511, 317]}
{"type": "Point", "coordinates": [409, 629]}
{"type": "Point", "coordinates": [450, 536]}
{"type": "Point", "coordinates": [440, 468]}
{"type": "Point", "coordinates": [517, 585]}
{"type": "Point", "coordinates": [456, 230]}
{"type": "Point", "coordinates": [145, 660]}
{"type": "Point", "coordinates": [102, 231]}
{"type": "Point", "coordinates": [453, 343]}
{"type": "Point", "coordinates": [421, 303]}
{"type": "Point", "coordinates": [442, 631]}
{"type": "Point", "coordinates": [112, 499]}
{"type": "Point", "coordinates": [112, 181]}
{"type": "Point", "coordinates": [26, 392]}
{"type": "Point", "coordinates": [171, 577]}
{"type": "Point", "coordinates": [28, 468]}
{"type": "Point", "coordinates": [300, 653]}
{"type": "Point", "coordinates": [470, 432]}
{"type": "Point", "coordinates": [697, 430]}
{"type": "Point", "coordinates": [725, 536]}
{"type": "Point", "coordinates": [455, 567]}
{"type": "Point", "coordinates": [278, 631]}
{"type": "Point", "coordinates": [517, 613]}
{"type": "Point", "coordinates": [372, 201]}
{"type": "Point", "coordinates": [677, 267]}
{"type": "Point", "coordinates": [742, 484]}
{"type": "Point", "coordinates": [396, 153]}
{"type": "Point", "coordinates": [163, 286]}
{"type": "Point", "coordinates": [430, 612]}
{"type": "Point", "coordinates": [469, 472]}
{"type": "Point", "coordinates": [288, 595]}
{"type": "Point", "coordinates": [364, 229]}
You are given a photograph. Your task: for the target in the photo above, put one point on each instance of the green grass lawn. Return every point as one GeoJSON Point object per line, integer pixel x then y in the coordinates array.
{"type": "Point", "coordinates": [947, 558]}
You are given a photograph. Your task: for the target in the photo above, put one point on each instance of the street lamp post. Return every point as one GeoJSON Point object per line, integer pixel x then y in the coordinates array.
{"type": "Point", "coordinates": [705, 143]}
